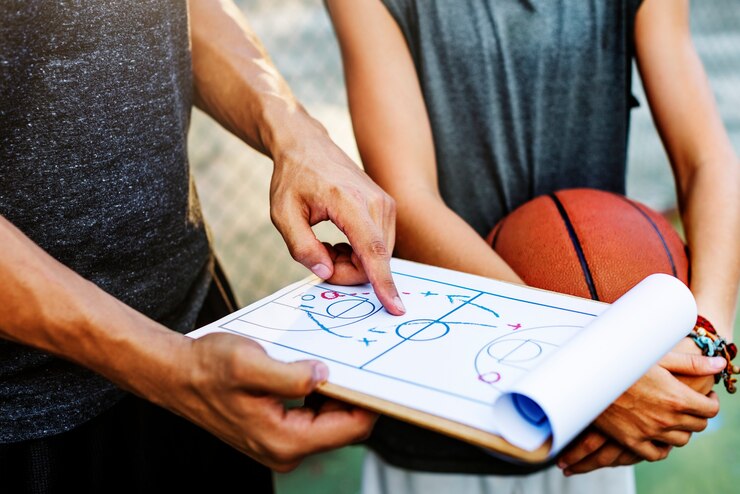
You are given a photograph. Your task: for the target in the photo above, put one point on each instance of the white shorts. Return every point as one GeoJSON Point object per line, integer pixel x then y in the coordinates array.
{"type": "Point", "coordinates": [378, 477]}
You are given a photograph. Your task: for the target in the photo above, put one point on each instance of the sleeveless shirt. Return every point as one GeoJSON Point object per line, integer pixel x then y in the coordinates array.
{"type": "Point", "coordinates": [95, 100]}
{"type": "Point", "coordinates": [524, 97]}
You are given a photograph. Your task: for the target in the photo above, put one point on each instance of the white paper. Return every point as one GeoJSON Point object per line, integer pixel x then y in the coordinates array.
{"type": "Point", "coordinates": [601, 362]}
{"type": "Point", "coordinates": [465, 340]}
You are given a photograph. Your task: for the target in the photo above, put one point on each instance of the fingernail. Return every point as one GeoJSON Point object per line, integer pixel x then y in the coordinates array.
{"type": "Point", "coordinates": [717, 362]}
{"type": "Point", "coordinates": [562, 464]}
{"type": "Point", "coordinates": [567, 473]}
{"type": "Point", "coordinates": [320, 372]}
{"type": "Point", "coordinates": [321, 271]}
{"type": "Point", "coordinates": [399, 305]}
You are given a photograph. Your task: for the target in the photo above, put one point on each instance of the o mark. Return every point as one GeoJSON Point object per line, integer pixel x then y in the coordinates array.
{"type": "Point", "coordinates": [330, 295]}
{"type": "Point", "coordinates": [490, 377]}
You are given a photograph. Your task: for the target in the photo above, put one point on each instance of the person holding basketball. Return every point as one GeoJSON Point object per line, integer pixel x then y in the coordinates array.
{"type": "Point", "coordinates": [463, 111]}
{"type": "Point", "coordinates": [106, 261]}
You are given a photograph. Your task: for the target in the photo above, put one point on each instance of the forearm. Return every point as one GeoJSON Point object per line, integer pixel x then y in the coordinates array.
{"type": "Point", "coordinates": [429, 232]}
{"type": "Point", "coordinates": [710, 198]}
{"type": "Point", "coordinates": [703, 161]}
{"type": "Point", "coordinates": [48, 306]}
{"type": "Point", "coordinates": [238, 85]}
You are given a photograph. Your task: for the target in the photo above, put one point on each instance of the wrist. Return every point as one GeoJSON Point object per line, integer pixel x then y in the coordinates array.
{"type": "Point", "coordinates": [286, 127]}
{"type": "Point", "coordinates": [712, 344]}
{"type": "Point", "coordinates": [126, 347]}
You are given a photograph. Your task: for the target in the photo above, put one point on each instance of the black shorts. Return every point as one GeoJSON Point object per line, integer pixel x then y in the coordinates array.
{"type": "Point", "coordinates": [135, 447]}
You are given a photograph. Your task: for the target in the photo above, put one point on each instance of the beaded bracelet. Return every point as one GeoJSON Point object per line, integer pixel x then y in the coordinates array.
{"type": "Point", "coordinates": [712, 344]}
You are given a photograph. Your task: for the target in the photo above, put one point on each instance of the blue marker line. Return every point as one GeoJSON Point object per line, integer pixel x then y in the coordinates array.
{"type": "Point", "coordinates": [482, 292]}
{"type": "Point", "coordinates": [472, 324]}
{"type": "Point", "coordinates": [345, 364]}
{"type": "Point", "coordinates": [486, 309]}
{"type": "Point", "coordinates": [438, 320]}
{"type": "Point", "coordinates": [323, 328]}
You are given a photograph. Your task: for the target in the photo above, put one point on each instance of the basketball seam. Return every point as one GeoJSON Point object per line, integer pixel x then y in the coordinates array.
{"type": "Point", "coordinates": [657, 231]}
{"type": "Point", "coordinates": [576, 246]}
{"type": "Point", "coordinates": [498, 232]}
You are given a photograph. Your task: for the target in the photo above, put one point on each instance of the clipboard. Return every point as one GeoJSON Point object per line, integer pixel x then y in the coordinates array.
{"type": "Point", "coordinates": [502, 366]}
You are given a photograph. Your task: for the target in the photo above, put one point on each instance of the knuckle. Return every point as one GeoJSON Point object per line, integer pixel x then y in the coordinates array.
{"type": "Point", "coordinates": [661, 424]}
{"type": "Point", "coordinates": [632, 443]}
{"type": "Point", "coordinates": [388, 284]}
{"type": "Point", "coordinates": [663, 453]}
{"type": "Point", "coordinates": [348, 195]}
{"type": "Point", "coordinates": [299, 252]}
{"type": "Point", "coordinates": [285, 467]}
{"type": "Point", "coordinates": [695, 363]}
{"type": "Point", "coordinates": [673, 403]}
{"type": "Point", "coordinates": [276, 217]}
{"type": "Point", "coordinates": [304, 384]}
{"type": "Point", "coordinates": [283, 453]}
{"type": "Point", "coordinates": [699, 364]}
{"type": "Point", "coordinates": [654, 455]}
{"type": "Point", "coordinates": [390, 204]}
{"type": "Point", "coordinates": [591, 444]}
{"type": "Point", "coordinates": [570, 454]}
{"type": "Point", "coordinates": [364, 432]}
{"type": "Point", "coordinates": [250, 444]}
{"type": "Point", "coordinates": [683, 439]}
{"type": "Point", "coordinates": [233, 364]}
{"type": "Point", "coordinates": [377, 248]}
{"type": "Point", "coordinates": [375, 196]}
{"type": "Point", "coordinates": [273, 425]}
{"type": "Point", "coordinates": [603, 460]}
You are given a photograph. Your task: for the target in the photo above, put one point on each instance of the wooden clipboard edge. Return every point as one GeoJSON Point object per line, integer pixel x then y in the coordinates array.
{"type": "Point", "coordinates": [464, 432]}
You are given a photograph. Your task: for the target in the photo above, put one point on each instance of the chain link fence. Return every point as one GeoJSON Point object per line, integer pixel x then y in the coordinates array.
{"type": "Point", "coordinates": [233, 180]}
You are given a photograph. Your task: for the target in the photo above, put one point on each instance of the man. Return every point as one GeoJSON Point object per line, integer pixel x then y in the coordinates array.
{"type": "Point", "coordinates": [104, 251]}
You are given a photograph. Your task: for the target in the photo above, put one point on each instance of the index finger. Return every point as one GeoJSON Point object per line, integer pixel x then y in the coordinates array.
{"type": "Point", "coordinates": [590, 442]}
{"type": "Point", "coordinates": [374, 253]}
{"type": "Point", "coordinates": [308, 432]}
{"type": "Point", "coordinates": [694, 403]}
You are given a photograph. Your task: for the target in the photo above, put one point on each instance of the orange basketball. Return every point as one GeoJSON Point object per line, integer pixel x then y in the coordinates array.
{"type": "Point", "coordinates": [589, 243]}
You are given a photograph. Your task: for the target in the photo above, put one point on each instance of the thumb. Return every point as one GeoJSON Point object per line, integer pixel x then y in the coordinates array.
{"type": "Point", "coordinates": [286, 380]}
{"type": "Point", "coordinates": [693, 365]}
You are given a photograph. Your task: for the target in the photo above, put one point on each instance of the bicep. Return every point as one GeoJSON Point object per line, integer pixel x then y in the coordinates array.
{"type": "Point", "coordinates": [388, 112]}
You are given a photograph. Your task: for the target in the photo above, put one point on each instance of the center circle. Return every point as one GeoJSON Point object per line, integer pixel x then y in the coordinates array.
{"type": "Point", "coordinates": [422, 330]}
{"type": "Point", "coordinates": [350, 309]}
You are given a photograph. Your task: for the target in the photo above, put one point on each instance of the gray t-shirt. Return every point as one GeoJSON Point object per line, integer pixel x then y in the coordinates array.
{"type": "Point", "coordinates": [525, 97]}
{"type": "Point", "coordinates": [95, 99]}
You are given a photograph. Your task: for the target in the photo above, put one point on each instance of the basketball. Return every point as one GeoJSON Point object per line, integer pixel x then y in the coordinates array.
{"type": "Point", "coordinates": [589, 243]}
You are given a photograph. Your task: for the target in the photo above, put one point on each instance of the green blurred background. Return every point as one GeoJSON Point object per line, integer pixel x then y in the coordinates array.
{"type": "Point", "coordinates": [233, 183]}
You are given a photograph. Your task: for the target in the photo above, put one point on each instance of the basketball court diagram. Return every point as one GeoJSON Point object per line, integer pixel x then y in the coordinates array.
{"type": "Point", "coordinates": [451, 333]}
{"type": "Point", "coordinates": [514, 354]}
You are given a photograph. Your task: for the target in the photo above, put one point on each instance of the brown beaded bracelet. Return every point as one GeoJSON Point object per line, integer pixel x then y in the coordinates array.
{"type": "Point", "coordinates": [712, 344]}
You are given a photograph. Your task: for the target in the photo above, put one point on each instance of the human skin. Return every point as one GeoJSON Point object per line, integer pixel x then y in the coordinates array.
{"type": "Point", "coordinates": [674, 398]}
{"type": "Point", "coordinates": [223, 383]}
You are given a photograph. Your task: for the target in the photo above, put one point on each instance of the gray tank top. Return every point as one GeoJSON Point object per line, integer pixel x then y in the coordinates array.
{"type": "Point", "coordinates": [525, 97]}
{"type": "Point", "coordinates": [95, 99]}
